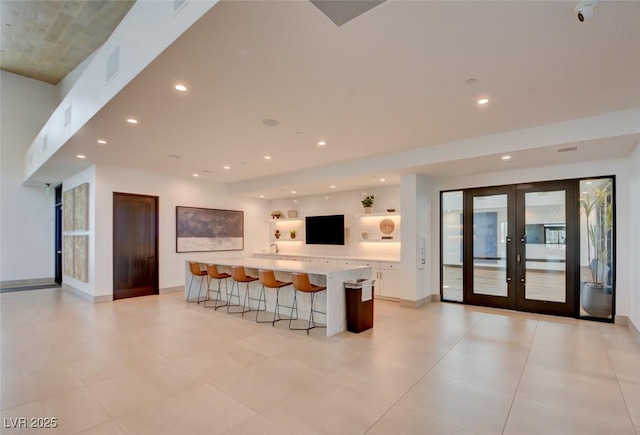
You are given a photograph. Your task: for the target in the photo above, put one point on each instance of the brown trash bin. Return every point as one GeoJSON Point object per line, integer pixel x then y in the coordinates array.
{"type": "Point", "coordinates": [359, 296]}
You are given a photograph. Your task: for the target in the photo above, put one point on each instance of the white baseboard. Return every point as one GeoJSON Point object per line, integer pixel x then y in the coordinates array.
{"type": "Point", "coordinates": [86, 296]}
{"type": "Point", "coordinates": [167, 290]}
{"type": "Point", "coordinates": [621, 320]}
{"type": "Point", "coordinates": [634, 330]}
{"type": "Point", "coordinates": [417, 304]}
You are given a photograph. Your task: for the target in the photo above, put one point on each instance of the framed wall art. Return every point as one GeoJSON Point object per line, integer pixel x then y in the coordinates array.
{"type": "Point", "coordinates": [206, 229]}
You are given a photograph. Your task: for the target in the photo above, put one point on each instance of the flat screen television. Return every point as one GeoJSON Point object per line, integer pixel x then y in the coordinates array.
{"type": "Point", "coordinates": [324, 230]}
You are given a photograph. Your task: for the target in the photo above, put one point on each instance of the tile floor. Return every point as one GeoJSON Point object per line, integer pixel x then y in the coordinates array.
{"type": "Point", "coordinates": [157, 365]}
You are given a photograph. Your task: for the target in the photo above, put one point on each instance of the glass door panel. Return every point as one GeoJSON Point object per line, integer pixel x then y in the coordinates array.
{"type": "Point", "coordinates": [490, 229]}
{"type": "Point", "coordinates": [488, 247]}
{"type": "Point", "coordinates": [545, 246]}
{"type": "Point", "coordinates": [452, 225]}
{"type": "Point", "coordinates": [547, 236]}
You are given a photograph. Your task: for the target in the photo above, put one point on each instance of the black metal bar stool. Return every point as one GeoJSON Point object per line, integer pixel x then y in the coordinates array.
{"type": "Point", "coordinates": [212, 271]}
{"type": "Point", "coordinates": [302, 284]}
{"type": "Point", "coordinates": [268, 280]}
{"type": "Point", "coordinates": [194, 267]}
{"type": "Point", "coordinates": [239, 275]}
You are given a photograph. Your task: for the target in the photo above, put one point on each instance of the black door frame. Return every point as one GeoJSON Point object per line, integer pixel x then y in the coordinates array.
{"type": "Point", "coordinates": [58, 235]}
{"type": "Point", "coordinates": [516, 249]}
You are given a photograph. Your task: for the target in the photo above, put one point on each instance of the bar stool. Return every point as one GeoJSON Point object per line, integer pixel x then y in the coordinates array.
{"type": "Point", "coordinates": [301, 283]}
{"type": "Point", "coordinates": [212, 271]}
{"type": "Point", "coordinates": [268, 280]}
{"type": "Point", "coordinates": [194, 267]}
{"type": "Point", "coordinates": [239, 275]}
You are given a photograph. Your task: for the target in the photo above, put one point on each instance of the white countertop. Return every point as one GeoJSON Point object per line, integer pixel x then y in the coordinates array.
{"type": "Point", "coordinates": [282, 265]}
{"type": "Point", "coordinates": [331, 257]}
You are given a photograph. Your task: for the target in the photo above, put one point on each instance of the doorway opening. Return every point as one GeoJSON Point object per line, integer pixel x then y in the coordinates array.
{"type": "Point", "coordinates": [543, 247]}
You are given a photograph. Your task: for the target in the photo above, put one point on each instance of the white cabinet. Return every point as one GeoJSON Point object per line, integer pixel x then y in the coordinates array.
{"type": "Point", "coordinates": [389, 280]}
{"type": "Point", "coordinates": [387, 276]}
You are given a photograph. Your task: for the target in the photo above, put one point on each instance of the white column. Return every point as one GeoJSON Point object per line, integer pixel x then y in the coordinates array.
{"type": "Point", "coordinates": [415, 201]}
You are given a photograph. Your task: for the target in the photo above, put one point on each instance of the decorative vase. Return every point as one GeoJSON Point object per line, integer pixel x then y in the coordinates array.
{"type": "Point", "coordinates": [277, 234]}
{"type": "Point", "coordinates": [368, 210]}
{"type": "Point", "coordinates": [292, 214]}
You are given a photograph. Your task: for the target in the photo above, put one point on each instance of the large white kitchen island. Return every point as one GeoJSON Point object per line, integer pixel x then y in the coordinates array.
{"type": "Point", "coordinates": [333, 276]}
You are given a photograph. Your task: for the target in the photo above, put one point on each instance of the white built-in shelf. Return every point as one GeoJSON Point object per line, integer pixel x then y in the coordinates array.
{"type": "Point", "coordinates": [377, 214]}
{"type": "Point", "coordinates": [286, 220]}
{"type": "Point", "coordinates": [379, 240]}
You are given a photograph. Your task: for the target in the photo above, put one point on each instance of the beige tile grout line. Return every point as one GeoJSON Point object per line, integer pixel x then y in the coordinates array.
{"type": "Point", "coordinates": [524, 366]}
{"type": "Point", "coordinates": [426, 373]}
{"type": "Point", "coordinates": [624, 399]}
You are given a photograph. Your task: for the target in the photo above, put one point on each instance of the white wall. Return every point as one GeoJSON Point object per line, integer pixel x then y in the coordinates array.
{"type": "Point", "coordinates": [26, 213]}
{"type": "Point", "coordinates": [634, 239]}
{"type": "Point", "coordinates": [347, 203]}
{"type": "Point", "coordinates": [172, 192]}
{"type": "Point", "coordinates": [620, 168]}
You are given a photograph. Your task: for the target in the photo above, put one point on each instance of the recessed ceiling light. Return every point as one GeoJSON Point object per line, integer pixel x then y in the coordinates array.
{"type": "Point", "coordinates": [261, 196]}
{"type": "Point", "coordinates": [482, 101]}
{"type": "Point", "coordinates": [271, 122]}
{"type": "Point", "coordinates": [332, 187]}
{"type": "Point", "coordinates": [80, 156]}
{"type": "Point", "coordinates": [293, 191]}
{"type": "Point", "coordinates": [102, 141]}
{"type": "Point", "coordinates": [181, 88]}
{"type": "Point", "coordinates": [470, 81]}
{"type": "Point", "coordinates": [322, 143]}
{"type": "Point", "coordinates": [132, 120]}
{"type": "Point", "coordinates": [174, 156]}
{"type": "Point", "coordinates": [383, 179]}
{"type": "Point", "coordinates": [267, 157]}
{"type": "Point", "coordinates": [206, 172]}
{"type": "Point", "coordinates": [506, 157]}
{"type": "Point", "coordinates": [195, 175]}
{"type": "Point", "coordinates": [226, 167]}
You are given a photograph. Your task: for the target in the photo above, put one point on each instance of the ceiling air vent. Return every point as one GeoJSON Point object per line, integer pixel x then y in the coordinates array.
{"type": "Point", "coordinates": [113, 64]}
{"type": "Point", "coordinates": [343, 11]}
{"type": "Point", "coordinates": [567, 150]}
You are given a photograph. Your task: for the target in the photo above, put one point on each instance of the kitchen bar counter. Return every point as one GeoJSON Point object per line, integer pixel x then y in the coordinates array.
{"type": "Point", "coordinates": [332, 275]}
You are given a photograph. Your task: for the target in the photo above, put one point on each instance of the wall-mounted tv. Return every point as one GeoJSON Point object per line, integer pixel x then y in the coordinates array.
{"type": "Point", "coordinates": [324, 230]}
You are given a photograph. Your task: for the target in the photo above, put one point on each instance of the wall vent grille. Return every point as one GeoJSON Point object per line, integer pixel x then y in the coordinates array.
{"type": "Point", "coordinates": [113, 64]}
{"type": "Point", "coordinates": [177, 4]}
{"type": "Point", "coordinates": [67, 116]}
{"type": "Point", "coordinates": [343, 11]}
{"type": "Point", "coordinates": [567, 150]}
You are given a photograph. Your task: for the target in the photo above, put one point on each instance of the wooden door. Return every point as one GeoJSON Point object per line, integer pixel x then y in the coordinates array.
{"type": "Point", "coordinates": [135, 245]}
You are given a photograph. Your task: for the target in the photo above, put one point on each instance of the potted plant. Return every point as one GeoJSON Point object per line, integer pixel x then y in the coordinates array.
{"type": "Point", "coordinates": [292, 233]}
{"type": "Point", "coordinates": [367, 203]}
{"type": "Point", "coordinates": [596, 294]}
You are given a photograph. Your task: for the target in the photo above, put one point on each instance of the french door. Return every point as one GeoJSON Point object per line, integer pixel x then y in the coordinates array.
{"type": "Point", "coordinates": [520, 247]}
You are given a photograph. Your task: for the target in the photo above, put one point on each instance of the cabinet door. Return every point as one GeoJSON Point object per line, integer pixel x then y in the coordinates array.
{"type": "Point", "coordinates": [390, 280]}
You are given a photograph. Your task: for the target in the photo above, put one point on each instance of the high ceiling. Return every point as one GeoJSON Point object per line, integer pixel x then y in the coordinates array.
{"type": "Point", "coordinates": [45, 40]}
{"type": "Point", "coordinates": [395, 78]}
